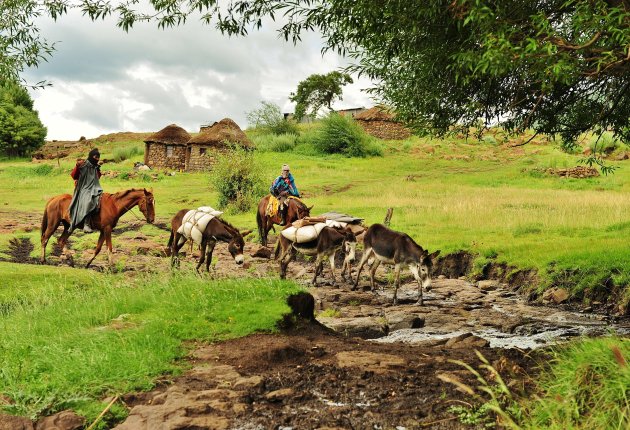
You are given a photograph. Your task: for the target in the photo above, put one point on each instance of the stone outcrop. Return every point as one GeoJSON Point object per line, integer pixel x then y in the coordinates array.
{"type": "Point", "coordinates": [379, 122]}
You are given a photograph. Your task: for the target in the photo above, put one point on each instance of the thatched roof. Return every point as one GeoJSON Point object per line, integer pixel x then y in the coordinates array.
{"type": "Point", "coordinates": [377, 113]}
{"type": "Point", "coordinates": [170, 135]}
{"type": "Point", "coordinates": [220, 133]}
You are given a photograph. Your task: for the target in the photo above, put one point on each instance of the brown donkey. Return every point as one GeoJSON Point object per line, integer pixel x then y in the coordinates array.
{"type": "Point", "coordinates": [392, 247]}
{"type": "Point", "coordinates": [217, 230]}
{"type": "Point", "coordinates": [329, 241]}
{"type": "Point", "coordinates": [111, 208]}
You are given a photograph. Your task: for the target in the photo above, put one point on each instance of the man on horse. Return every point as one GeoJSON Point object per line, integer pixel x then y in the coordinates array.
{"type": "Point", "coordinates": [283, 187]}
{"type": "Point", "coordinates": [87, 191]}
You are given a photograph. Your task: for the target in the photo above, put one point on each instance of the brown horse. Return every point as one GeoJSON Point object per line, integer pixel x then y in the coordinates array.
{"type": "Point", "coordinates": [112, 207]}
{"type": "Point", "coordinates": [295, 210]}
{"type": "Point", "coordinates": [216, 230]}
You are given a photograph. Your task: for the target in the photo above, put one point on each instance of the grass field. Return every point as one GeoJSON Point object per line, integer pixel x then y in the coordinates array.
{"type": "Point", "coordinates": [70, 337]}
{"type": "Point", "coordinates": [491, 200]}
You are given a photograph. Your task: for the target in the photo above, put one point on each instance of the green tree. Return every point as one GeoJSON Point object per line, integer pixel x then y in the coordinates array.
{"type": "Point", "coordinates": [269, 118]}
{"type": "Point", "coordinates": [557, 66]}
{"type": "Point", "coordinates": [318, 91]}
{"type": "Point", "coordinates": [21, 131]}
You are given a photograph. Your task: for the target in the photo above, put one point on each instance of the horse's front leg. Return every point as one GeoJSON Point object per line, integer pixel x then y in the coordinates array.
{"type": "Point", "coordinates": [319, 264]}
{"type": "Point", "coordinates": [211, 245]}
{"type": "Point", "coordinates": [99, 245]}
{"type": "Point", "coordinates": [397, 282]}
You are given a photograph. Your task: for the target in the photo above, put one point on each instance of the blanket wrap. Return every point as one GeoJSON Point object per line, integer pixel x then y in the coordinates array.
{"type": "Point", "coordinates": [308, 233]}
{"type": "Point", "coordinates": [195, 222]}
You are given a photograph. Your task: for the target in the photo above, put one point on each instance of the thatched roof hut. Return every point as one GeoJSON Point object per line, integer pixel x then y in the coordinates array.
{"type": "Point", "coordinates": [202, 149]}
{"type": "Point", "coordinates": [167, 148]}
{"type": "Point", "coordinates": [377, 113]}
{"type": "Point", "coordinates": [379, 122]}
{"type": "Point", "coordinates": [170, 135]}
{"type": "Point", "coordinates": [220, 134]}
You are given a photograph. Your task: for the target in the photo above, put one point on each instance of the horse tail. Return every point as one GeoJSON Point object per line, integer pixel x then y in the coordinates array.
{"type": "Point", "coordinates": [44, 220]}
{"type": "Point", "coordinates": [259, 221]}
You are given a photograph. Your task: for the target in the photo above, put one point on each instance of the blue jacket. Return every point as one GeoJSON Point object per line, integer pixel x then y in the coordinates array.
{"type": "Point", "coordinates": [288, 185]}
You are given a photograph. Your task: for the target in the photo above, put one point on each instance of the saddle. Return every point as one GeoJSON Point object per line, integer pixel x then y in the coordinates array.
{"type": "Point", "coordinates": [273, 206]}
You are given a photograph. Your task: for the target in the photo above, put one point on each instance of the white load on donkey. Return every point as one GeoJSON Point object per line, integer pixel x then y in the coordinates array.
{"type": "Point", "coordinates": [320, 236]}
{"type": "Point", "coordinates": [195, 222]}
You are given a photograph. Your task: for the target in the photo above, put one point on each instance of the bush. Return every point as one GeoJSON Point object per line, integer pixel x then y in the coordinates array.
{"type": "Point", "coordinates": [269, 118]}
{"type": "Point", "coordinates": [605, 144]}
{"type": "Point", "coordinates": [341, 135]}
{"type": "Point", "coordinates": [275, 143]}
{"type": "Point", "coordinates": [122, 154]}
{"type": "Point", "coordinates": [238, 180]}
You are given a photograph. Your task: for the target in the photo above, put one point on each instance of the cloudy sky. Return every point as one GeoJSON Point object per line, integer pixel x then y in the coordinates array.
{"type": "Point", "coordinates": [105, 80]}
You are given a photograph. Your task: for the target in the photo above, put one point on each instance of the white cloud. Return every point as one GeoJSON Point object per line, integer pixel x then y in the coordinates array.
{"type": "Point", "coordinates": [106, 80]}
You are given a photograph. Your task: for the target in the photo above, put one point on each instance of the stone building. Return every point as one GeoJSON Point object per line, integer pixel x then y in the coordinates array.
{"type": "Point", "coordinates": [379, 122]}
{"type": "Point", "coordinates": [167, 148]}
{"type": "Point", "coordinates": [202, 149]}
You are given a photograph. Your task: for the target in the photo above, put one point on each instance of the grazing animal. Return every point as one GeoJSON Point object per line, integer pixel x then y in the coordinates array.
{"type": "Point", "coordinates": [217, 230]}
{"type": "Point", "coordinates": [296, 210]}
{"type": "Point", "coordinates": [392, 247]}
{"type": "Point", "coordinates": [329, 241]}
{"type": "Point", "coordinates": [112, 207]}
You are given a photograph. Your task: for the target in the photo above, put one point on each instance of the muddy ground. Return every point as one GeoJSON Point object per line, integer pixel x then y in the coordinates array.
{"type": "Point", "coordinates": [360, 376]}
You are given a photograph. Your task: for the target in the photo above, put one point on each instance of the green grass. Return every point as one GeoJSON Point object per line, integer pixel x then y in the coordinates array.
{"type": "Point", "coordinates": [585, 388]}
{"type": "Point", "coordinates": [80, 336]}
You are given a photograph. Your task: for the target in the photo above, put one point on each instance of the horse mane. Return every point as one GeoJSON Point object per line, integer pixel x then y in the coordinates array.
{"type": "Point", "coordinates": [121, 194]}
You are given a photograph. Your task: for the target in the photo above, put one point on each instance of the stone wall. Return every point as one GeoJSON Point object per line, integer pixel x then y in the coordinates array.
{"type": "Point", "coordinates": [385, 129]}
{"type": "Point", "coordinates": [202, 162]}
{"type": "Point", "coordinates": [155, 156]}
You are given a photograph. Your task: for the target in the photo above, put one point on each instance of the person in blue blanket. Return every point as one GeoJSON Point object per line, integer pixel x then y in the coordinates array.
{"type": "Point", "coordinates": [283, 187]}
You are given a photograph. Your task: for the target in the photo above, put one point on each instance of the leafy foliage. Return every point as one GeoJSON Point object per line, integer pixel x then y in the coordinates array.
{"type": "Point", "coordinates": [318, 91]}
{"type": "Point", "coordinates": [557, 66]}
{"type": "Point", "coordinates": [341, 135]}
{"type": "Point", "coordinates": [21, 131]}
{"type": "Point", "coordinates": [269, 118]}
{"type": "Point", "coordinates": [238, 179]}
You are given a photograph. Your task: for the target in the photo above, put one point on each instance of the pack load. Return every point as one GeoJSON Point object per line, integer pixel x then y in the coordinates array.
{"type": "Point", "coordinates": [307, 229]}
{"type": "Point", "coordinates": [195, 222]}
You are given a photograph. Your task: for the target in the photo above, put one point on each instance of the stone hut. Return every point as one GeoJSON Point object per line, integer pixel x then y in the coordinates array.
{"type": "Point", "coordinates": [167, 148]}
{"type": "Point", "coordinates": [201, 150]}
{"type": "Point", "coordinates": [379, 122]}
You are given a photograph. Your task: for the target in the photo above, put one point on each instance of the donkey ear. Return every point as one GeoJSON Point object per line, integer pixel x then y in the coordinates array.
{"type": "Point", "coordinates": [310, 208]}
{"type": "Point", "coordinates": [435, 254]}
{"type": "Point", "coordinates": [245, 232]}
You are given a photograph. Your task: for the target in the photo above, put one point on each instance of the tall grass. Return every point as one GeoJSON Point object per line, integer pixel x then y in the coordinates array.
{"type": "Point", "coordinates": [342, 135]}
{"type": "Point", "coordinates": [74, 345]}
{"type": "Point", "coordinates": [125, 153]}
{"type": "Point", "coordinates": [586, 387]}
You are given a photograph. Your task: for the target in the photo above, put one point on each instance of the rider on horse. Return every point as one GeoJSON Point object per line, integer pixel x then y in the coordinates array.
{"type": "Point", "coordinates": [283, 187]}
{"type": "Point", "coordinates": [87, 191]}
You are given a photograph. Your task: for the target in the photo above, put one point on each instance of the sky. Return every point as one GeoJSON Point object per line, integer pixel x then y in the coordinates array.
{"type": "Point", "coordinates": [105, 80]}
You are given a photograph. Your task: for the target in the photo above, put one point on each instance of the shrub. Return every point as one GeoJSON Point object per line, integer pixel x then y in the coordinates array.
{"type": "Point", "coordinates": [341, 135]}
{"type": "Point", "coordinates": [238, 179]}
{"type": "Point", "coordinates": [269, 118]}
{"type": "Point", "coordinates": [275, 143]}
{"type": "Point", "coordinates": [122, 154]}
{"type": "Point", "coordinates": [604, 144]}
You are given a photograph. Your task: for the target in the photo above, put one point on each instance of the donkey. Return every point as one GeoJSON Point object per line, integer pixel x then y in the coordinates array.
{"type": "Point", "coordinates": [217, 230]}
{"type": "Point", "coordinates": [392, 247]}
{"type": "Point", "coordinates": [329, 241]}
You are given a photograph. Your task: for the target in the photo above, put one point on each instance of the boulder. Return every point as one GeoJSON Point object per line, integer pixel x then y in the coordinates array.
{"type": "Point", "coordinates": [556, 295]}
{"type": "Point", "coordinates": [489, 285]}
{"type": "Point", "coordinates": [10, 422]}
{"type": "Point", "coordinates": [64, 420]}
{"type": "Point", "coordinates": [365, 327]}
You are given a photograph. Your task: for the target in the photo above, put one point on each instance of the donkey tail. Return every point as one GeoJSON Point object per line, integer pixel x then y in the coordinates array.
{"type": "Point", "coordinates": [276, 251]}
{"type": "Point", "coordinates": [170, 239]}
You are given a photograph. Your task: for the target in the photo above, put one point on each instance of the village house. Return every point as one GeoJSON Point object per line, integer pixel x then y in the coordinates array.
{"type": "Point", "coordinates": [167, 148]}
{"type": "Point", "coordinates": [201, 150]}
